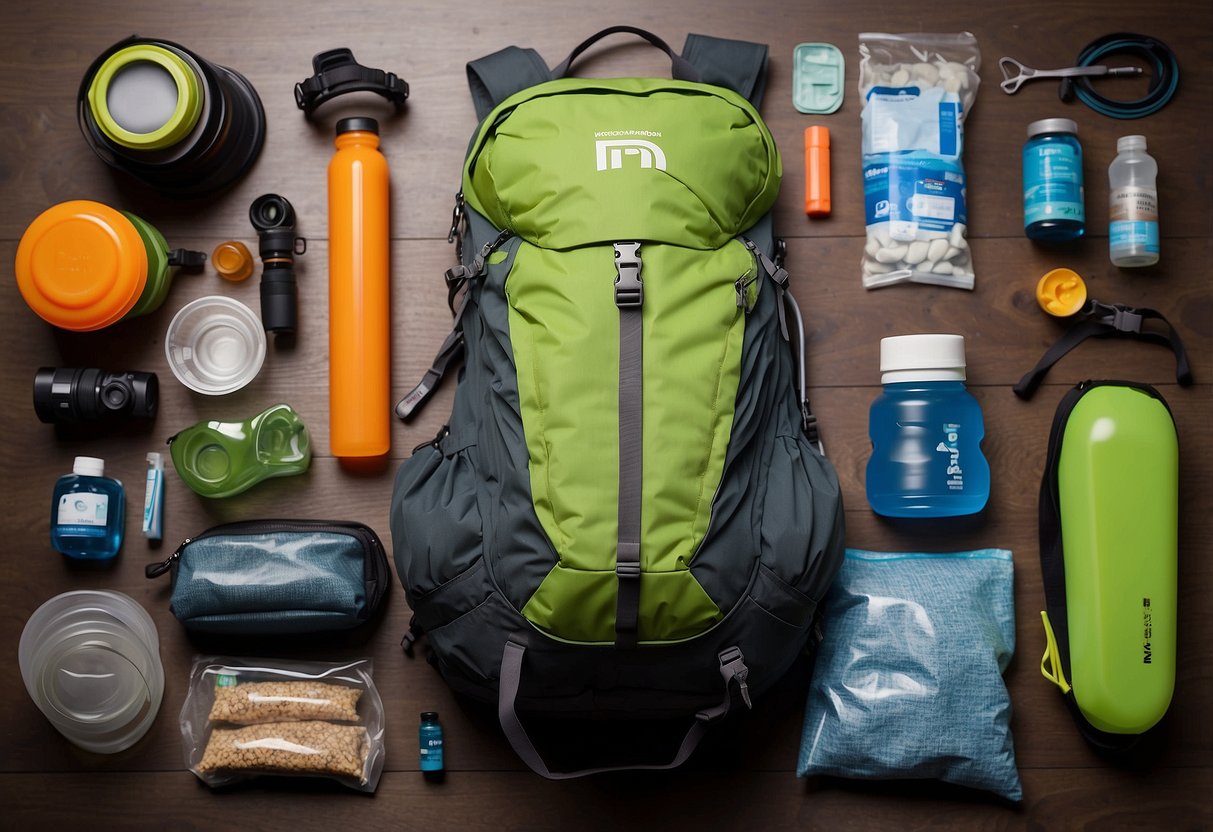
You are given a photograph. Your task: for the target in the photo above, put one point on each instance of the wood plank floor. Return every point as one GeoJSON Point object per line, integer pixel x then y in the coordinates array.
{"type": "Point", "coordinates": [744, 778]}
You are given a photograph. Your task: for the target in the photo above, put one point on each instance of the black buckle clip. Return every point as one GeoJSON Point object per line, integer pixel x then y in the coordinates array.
{"type": "Point", "coordinates": [1118, 316]}
{"type": "Point", "coordinates": [336, 73]}
{"type": "Point", "coordinates": [629, 291]}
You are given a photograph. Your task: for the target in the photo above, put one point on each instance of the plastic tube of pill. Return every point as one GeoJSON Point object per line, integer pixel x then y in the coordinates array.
{"type": "Point", "coordinates": [817, 171]}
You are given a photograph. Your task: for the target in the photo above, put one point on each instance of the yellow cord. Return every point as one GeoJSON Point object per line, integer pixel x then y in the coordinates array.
{"type": "Point", "coordinates": [1050, 662]}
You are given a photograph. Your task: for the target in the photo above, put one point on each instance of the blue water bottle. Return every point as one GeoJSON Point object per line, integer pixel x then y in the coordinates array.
{"type": "Point", "coordinates": [926, 432]}
{"type": "Point", "coordinates": [429, 737]}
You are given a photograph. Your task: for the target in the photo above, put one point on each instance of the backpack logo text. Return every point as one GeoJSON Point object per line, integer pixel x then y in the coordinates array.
{"type": "Point", "coordinates": [651, 156]}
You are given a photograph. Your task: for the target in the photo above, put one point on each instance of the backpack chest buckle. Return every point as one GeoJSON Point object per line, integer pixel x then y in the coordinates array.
{"type": "Point", "coordinates": [629, 291]}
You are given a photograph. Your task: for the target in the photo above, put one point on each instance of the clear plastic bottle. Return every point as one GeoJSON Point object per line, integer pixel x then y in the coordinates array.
{"type": "Point", "coordinates": [926, 431]}
{"type": "Point", "coordinates": [1052, 181]}
{"type": "Point", "coordinates": [1133, 205]}
{"type": "Point", "coordinates": [88, 512]}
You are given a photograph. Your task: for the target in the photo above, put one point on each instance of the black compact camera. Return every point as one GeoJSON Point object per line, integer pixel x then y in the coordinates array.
{"type": "Point", "coordinates": [87, 394]}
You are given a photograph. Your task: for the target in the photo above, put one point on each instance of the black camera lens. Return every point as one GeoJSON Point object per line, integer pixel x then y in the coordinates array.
{"type": "Point", "coordinates": [87, 394]}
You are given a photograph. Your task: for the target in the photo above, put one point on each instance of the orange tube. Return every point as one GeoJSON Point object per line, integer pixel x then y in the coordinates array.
{"type": "Point", "coordinates": [817, 171]}
{"type": "Point", "coordinates": [359, 294]}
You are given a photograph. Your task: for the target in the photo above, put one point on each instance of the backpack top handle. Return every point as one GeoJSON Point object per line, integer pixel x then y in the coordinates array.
{"type": "Point", "coordinates": [682, 70]}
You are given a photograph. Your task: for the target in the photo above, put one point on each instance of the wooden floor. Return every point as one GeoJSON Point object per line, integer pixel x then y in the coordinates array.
{"type": "Point", "coordinates": [745, 779]}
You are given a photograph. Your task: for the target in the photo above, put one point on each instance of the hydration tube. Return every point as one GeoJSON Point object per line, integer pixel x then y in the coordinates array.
{"type": "Point", "coordinates": [1164, 69]}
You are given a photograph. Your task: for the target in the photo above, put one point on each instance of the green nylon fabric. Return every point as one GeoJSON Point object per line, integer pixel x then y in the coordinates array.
{"type": "Point", "coordinates": [535, 166]}
{"type": "Point", "coordinates": [564, 329]}
{"type": "Point", "coordinates": [538, 169]}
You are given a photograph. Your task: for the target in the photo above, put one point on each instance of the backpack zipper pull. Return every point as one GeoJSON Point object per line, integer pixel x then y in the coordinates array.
{"type": "Point", "coordinates": [455, 235]}
{"type": "Point", "coordinates": [155, 570]}
{"type": "Point", "coordinates": [778, 274]}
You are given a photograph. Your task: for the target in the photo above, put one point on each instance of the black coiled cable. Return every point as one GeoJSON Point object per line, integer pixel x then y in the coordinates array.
{"type": "Point", "coordinates": [1157, 55]}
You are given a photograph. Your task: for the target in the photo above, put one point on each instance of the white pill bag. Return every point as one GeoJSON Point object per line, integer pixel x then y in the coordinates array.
{"type": "Point", "coordinates": [917, 89]}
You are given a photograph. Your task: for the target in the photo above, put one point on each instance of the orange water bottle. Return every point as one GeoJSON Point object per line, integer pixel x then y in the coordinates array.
{"type": "Point", "coordinates": [359, 295]}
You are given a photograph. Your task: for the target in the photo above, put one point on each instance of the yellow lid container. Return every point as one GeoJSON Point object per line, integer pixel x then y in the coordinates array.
{"type": "Point", "coordinates": [1061, 292]}
{"type": "Point", "coordinates": [158, 67]}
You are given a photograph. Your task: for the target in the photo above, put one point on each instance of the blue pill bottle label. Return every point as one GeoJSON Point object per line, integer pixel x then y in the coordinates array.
{"type": "Point", "coordinates": [1052, 182]}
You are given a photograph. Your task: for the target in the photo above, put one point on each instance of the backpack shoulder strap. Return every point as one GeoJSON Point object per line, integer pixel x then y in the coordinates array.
{"type": "Point", "coordinates": [736, 64]}
{"type": "Point", "coordinates": [494, 78]}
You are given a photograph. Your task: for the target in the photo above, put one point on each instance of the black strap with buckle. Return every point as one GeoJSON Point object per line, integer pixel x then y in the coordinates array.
{"type": "Point", "coordinates": [336, 73]}
{"type": "Point", "coordinates": [1102, 320]}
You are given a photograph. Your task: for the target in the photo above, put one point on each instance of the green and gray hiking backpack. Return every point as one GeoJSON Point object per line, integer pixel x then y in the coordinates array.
{"type": "Point", "coordinates": [628, 514]}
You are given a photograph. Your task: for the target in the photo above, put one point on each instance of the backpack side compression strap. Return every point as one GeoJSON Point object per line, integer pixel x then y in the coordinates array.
{"type": "Point", "coordinates": [738, 65]}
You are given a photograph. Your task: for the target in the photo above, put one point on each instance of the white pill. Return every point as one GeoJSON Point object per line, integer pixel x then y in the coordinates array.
{"type": "Point", "coordinates": [881, 233]}
{"type": "Point", "coordinates": [942, 268]}
{"type": "Point", "coordinates": [937, 250]}
{"type": "Point", "coordinates": [870, 267]}
{"type": "Point", "coordinates": [926, 73]}
{"type": "Point", "coordinates": [872, 246]}
{"type": "Point", "coordinates": [957, 237]}
{"type": "Point", "coordinates": [900, 78]}
{"type": "Point", "coordinates": [951, 252]}
{"type": "Point", "coordinates": [891, 254]}
{"type": "Point", "coordinates": [952, 85]}
{"type": "Point", "coordinates": [916, 253]}
{"type": "Point", "coordinates": [960, 72]}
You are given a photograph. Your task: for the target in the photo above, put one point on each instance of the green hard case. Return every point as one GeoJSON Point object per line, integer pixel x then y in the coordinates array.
{"type": "Point", "coordinates": [1109, 554]}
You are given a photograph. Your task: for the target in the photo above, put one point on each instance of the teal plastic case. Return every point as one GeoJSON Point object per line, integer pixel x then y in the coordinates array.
{"type": "Point", "coordinates": [1109, 509]}
{"type": "Point", "coordinates": [818, 75]}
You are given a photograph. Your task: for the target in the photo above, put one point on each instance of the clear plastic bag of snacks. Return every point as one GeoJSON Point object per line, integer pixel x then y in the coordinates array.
{"type": "Point", "coordinates": [917, 90]}
{"type": "Point", "coordinates": [247, 717]}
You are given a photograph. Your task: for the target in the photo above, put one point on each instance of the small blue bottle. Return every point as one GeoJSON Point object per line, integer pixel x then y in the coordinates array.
{"type": "Point", "coordinates": [1053, 208]}
{"type": "Point", "coordinates": [88, 512]}
{"type": "Point", "coordinates": [429, 737]}
{"type": "Point", "coordinates": [926, 432]}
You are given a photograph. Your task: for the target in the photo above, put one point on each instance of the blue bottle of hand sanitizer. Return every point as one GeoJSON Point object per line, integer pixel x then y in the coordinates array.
{"type": "Point", "coordinates": [88, 512]}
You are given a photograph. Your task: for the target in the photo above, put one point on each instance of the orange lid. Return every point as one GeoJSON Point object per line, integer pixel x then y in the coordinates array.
{"type": "Point", "coordinates": [232, 260]}
{"type": "Point", "coordinates": [81, 265]}
{"type": "Point", "coordinates": [1061, 292]}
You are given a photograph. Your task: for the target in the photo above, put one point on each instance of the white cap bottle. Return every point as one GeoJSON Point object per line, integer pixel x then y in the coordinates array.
{"type": "Point", "coordinates": [1133, 205]}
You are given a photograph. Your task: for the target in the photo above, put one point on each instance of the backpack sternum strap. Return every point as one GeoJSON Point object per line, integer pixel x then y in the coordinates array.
{"type": "Point", "coordinates": [629, 297]}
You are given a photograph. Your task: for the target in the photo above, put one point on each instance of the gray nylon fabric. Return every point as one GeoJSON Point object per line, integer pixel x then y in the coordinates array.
{"type": "Point", "coordinates": [520, 741]}
{"type": "Point", "coordinates": [739, 65]}
{"type": "Point", "coordinates": [631, 471]}
{"type": "Point", "coordinates": [494, 78]}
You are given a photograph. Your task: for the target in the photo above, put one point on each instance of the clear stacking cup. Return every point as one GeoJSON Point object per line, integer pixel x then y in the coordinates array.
{"type": "Point", "coordinates": [215, 345]}
{"type": "Point", "coordinates": [91, 662]}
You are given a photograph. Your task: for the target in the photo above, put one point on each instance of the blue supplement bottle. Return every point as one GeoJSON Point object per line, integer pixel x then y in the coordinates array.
{"type": "Point", "coordinates": [429, 737]}
{"type": "Point", "coordinates": [88, 511]}
{"type": "Point", "coordinates": [926, 432]}
{"type": "Point", "coordinates": [1052, 181]}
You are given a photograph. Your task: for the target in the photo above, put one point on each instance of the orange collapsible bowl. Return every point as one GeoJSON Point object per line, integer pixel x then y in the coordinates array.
{"type": "Point", "coordinates": [82, 265]}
